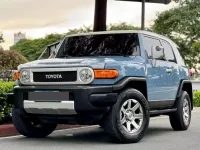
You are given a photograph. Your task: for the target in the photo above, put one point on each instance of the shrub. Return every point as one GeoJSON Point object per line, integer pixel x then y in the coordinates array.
{"type": "Point", "coordinates": [5, 108]}
{"type": "Point", "coordinates": [197, 99]}
{"type": "Point", "coordinates": [9, 61]}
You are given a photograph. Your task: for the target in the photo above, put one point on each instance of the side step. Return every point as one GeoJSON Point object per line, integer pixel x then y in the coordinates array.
{"type": "Point", "coordinates": [162, 112]}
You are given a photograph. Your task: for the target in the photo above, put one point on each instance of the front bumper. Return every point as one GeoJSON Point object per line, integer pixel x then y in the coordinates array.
{"type": "Point", "coordinates": [87, 100]}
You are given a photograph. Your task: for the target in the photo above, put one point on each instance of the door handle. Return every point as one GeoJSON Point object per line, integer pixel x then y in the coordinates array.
{"type": "Point", "coordinates": [168, 70]}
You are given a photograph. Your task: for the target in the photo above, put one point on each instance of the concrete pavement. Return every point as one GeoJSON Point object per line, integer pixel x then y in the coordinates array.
{"type": "Point", "coordinates": [159, 136]}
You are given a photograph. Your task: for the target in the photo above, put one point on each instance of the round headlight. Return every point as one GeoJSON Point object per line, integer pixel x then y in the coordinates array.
{"type": "Point", "coordinates": [24, 76]}
{"type": "Point", "coordinates": [86, 75]}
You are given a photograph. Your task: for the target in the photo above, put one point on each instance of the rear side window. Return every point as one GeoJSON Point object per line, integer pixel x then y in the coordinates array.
{"type": "Point", "coordinates": [149, 42]}
{"type": "Point", "coordinates": [169, 54]}
{"type": "Point", "coordinates": [180, 59]}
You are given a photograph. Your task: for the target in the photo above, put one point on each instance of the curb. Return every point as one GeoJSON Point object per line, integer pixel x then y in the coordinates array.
{"type": "Point", "coordinates": [9, 129]}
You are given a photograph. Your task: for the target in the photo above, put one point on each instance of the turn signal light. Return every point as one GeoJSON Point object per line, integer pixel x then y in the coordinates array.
{"type": "Point", "coordinates": [16, 75]}
{"type": "Point", "coordinates": [105, 74]}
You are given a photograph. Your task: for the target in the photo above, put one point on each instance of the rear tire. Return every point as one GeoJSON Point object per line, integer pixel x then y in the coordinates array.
{"type": "Point", "coordinates": [128, 119]}
{"type": "Point", "coordinates": [30, 128]}
{"type": "Point", "coordinates": [180, 120]}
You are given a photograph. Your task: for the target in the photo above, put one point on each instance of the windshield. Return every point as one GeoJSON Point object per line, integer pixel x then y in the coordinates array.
{"type": "Point", "coordinates": [100, 45]}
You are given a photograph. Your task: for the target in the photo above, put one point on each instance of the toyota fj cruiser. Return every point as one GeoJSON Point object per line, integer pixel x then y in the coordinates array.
{"type": "Point", "coordinates": [115, 79]}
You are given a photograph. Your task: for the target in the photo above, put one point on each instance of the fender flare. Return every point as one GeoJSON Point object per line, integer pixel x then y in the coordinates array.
{"type": "Point", "coordinates": [180, 90]}
{"type": "Point", "coordinates": [122, 83]}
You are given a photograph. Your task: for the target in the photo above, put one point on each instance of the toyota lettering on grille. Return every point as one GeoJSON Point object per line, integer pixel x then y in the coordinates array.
{"type": "Point", "coordinates": [54, 76]}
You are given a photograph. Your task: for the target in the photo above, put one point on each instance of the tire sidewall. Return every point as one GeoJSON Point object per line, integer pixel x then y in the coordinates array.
{"type": "Point", "coordinates": [24, 126]}
{"type": "Point", "coordinates": [124, 96]}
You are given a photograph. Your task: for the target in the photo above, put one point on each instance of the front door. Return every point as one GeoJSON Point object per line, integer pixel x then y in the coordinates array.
{"type": "Point", "coordinates": [172, 70]}
{"type": "Point", "coordinates": [157, 77]}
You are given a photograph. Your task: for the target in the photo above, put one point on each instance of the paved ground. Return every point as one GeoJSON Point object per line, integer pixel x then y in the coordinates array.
{"type": "Point", "coordinates": [159, 136]}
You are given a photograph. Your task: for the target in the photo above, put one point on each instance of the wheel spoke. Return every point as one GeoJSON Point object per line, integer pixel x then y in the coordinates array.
{"type": "Point", "coordinates": [129, 104]}
{"type": "Point", "coordinates": [136, 126]}
{"type": "Point", "coordinates": [183, 109]}
{"type": "Point", "coordinates": [123, 110]}
{"type": "Point", "coordinates": [137, 105]}
{"type": "Point", "coordinates": [123, 120]}
{"type": "Point", "coordinates": [186, 109]}
{"type": "Point", "coordinates": [184, 103]}
{"type": "Point", "coordinates": [186, 115]}
{"type": "Point", "coordinates": [138, 116]}
{"type": "Point", "coordinates": [128, 124]}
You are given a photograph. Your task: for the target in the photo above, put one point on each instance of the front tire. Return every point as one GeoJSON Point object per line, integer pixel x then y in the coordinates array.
{"type": "Point", "coordinates": [180, 120]}
{"type": "Point", "coordinates": [128, 119]}
{"type": "Point", "coordinates": [30, 128]}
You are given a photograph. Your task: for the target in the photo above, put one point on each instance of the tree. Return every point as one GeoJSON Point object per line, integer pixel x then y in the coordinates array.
{"type": "Point", "coordinates": [182, 24]}
{"type": "Point", "coordinates": [83, 29]}
{"type": "Point", "coordinates": [32, 49]}
{"type": "Point", "coordinates": [121, 26]}
{"type": "Point", "coordinates": [9, 61]}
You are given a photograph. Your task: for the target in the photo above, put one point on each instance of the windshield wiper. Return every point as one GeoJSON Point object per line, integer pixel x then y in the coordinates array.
{"type": "Point", "coordinates": [84, 55]}
{"type": "Point", "coordinates": [65, 56]}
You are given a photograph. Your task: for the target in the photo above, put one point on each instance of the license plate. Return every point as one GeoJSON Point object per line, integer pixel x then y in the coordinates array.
{"type": "Point", "coordinates": [48, 95]}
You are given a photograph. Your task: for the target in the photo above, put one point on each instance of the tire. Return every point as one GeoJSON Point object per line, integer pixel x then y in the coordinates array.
{"type": "Point", "coordinates": [27, 128]}
{"type": "Point", "coordinates": [177, 119]}
{"type": "Point", "coordinates": [113, 122]}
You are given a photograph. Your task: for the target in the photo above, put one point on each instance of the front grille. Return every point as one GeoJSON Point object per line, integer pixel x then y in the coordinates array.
{"type": "Point", "coordinates": [64, 76]}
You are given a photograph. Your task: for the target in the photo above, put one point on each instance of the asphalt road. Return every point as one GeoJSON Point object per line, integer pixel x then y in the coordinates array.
{"type": "Point", "coordinates": [159, 136]}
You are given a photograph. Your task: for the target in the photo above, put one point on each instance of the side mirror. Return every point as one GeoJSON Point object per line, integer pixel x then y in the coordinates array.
{"type": "Point", "coordinates": [50, 51]}
{"type": "Point", "coordinates": [157, 53]}
{"type": "Point", "coordinates": [54, 52]}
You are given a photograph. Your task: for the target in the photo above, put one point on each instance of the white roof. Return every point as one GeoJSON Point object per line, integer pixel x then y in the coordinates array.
{"type": "Point", "coordinates": [121, 32]}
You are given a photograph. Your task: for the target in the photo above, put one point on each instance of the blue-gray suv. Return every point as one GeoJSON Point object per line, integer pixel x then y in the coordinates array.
{"type": "Point", "coordinates": [117, 80]}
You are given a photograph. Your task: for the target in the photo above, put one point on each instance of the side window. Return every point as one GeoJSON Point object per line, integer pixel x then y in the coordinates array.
{"type": "Point", "coordinates": [148, 43]}
{"type": "Point", "coordinates": [169, 54]}
{"type": "Point", "coordinates": [180, 59]}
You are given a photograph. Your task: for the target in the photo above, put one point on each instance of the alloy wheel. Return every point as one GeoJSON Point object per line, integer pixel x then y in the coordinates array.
{"type": "Point", "coordinates": [186, 112]}
{"type": "Point", "coordinates": [131, 116]}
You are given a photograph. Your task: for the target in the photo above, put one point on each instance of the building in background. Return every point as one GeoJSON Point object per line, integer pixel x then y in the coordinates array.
{"type": "Point", "coordinates": [19, 36]}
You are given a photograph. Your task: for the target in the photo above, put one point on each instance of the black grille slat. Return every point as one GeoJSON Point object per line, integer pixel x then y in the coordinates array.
{"type": "Point", "coordinates": [67, 76]}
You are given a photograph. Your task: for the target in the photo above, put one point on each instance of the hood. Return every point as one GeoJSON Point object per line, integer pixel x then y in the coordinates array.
{"type": "Point", "coordinates": [93, 62]}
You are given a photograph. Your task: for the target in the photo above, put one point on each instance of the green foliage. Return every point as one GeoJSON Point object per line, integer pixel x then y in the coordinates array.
{"type": "Point", "coordinates": [32, 49]}
{"type": "Point", "coordinates": [197, 99]}
{"type": "Point", "coordinates": [182, 24]}
{"type": "Point", "coordinates": [9, 61]}
{"type": "Point", "coordinates": [5, 108]}
{"type": "Point", "coordinates": [83, 29]}
{"type": "Point", "coordinates": [121, 26]}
